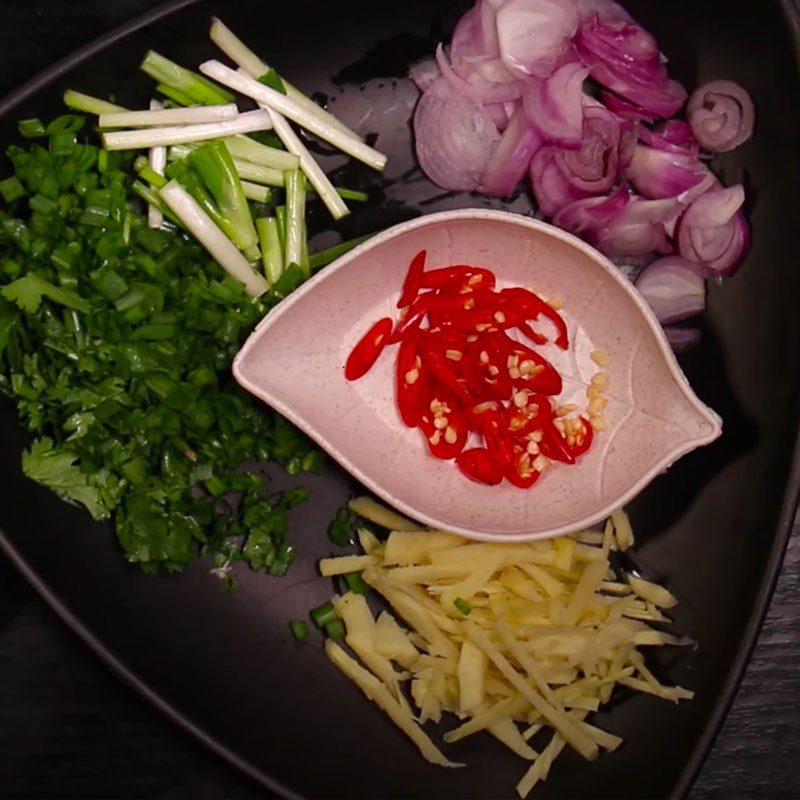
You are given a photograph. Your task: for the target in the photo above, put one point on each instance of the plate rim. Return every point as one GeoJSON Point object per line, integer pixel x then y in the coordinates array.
{"type": "Point", "coordinates": [790, 10]}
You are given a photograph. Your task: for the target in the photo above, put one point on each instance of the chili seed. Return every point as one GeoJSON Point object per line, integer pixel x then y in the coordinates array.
{"type": "Point", "coordinates": [562, 411]}
{"type": "Point", "coordinates": [500, 317]}
{"type": "Point", "coordinates": [540, 463]}
{"type": "Point", "coordinates": [600, 357]}
{"type": "Point", "coordinates": [450, 435]}
{"type": "Point", "coordinates": [454, 355]}
{"type": "Point", "coordinates": [412, 376]}
{"type": "Point", "coordinates": [440, 423]}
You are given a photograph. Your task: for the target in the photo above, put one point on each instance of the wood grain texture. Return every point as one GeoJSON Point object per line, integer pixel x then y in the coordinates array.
{"type": "Point", "coordinates": [69, 728]}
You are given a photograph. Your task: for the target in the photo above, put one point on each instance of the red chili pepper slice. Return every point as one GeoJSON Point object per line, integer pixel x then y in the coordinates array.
{"type": "Point", "coordinates": [458, 277]}
{"type": "Point", "coordinates": [582, 442]}
{"type": "Point", "coordinates": [413, 318]}
{"type": "Point", "coordinates": [489, 370]}
{"type": "Point", "coordinates": [479, 466]}
{"type": "Point", "coordinates": [441, 372]}
{"type": "Point", "coordinates": [413, 281]}
{"type": "Point", "coordinates": [534, 336]}
{"type": "Point", "coordinates": [412, 384]}
{"type": "Point", "coordinates": [536, 413]}
{"type": "Point", "coordinates": [541, 376]}
{"type": "Point", "coordinates": [493, 424]}
{"type": "Point", "coordinates": [521, 472]}
{"type": "Point", "coordinates": [534, 306]}
{"type": "Point", "coordinates": [554, 445]}
{"type": "Point", "coordinates": [367, 350]}
{"type": "Point", "coordinates": [445, 427]}
{"type": "Point", "coordinates": [462, 311]}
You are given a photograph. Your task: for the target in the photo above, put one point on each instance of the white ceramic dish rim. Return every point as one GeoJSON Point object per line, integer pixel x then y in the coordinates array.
{"type": "Point", "coordinates": [686, 446]}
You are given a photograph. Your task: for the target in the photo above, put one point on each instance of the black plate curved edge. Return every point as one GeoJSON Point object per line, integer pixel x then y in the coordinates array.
{"type": "Point", "coordinates": [715, 526]}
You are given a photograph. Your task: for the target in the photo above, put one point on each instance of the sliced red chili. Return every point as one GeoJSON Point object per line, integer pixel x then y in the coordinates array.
{"type": "Point", "coordinates": [458, 277]}
{"type": "Point", "coordinates": [367, 350]}
{"type": "Point", "coordinates": [445, 427]}
{"type": "Point", "coordinates": [488, 370]}
{"type": "Point", "coordinates": [521, 472]}
{"type": "Point", "coordinates": [582, 441]}
{"type": "Point", "coordinates": [413, 318]}
{"type": "Point", "coordinates": [479, 466]}
{"type": "Point", "coordinates": [527, 330]}
{"type": "Point", "coordinates": [554, 445]}
{"type": "Point", "coordinates": [493, 424]}
{"type": "Point", "coordinates": [540, 376]}
{"type": "Point", "coordinates": [412, 384]}
{"type": "Point", "coordinates": [534, 306]}
{"type": "Point", "coordinates": [442, 372]}
{"type": "Point", "coordinates": [413, 281]}
{"type": "Point", "coordinates": [536, 413]}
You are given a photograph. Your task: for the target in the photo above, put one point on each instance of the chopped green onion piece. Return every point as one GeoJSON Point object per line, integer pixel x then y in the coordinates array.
{"type": "Point", "coordinates": [88, 104]}
{"type": "Point", "coordinates": [323, 614]}
{"type": "Point", "coordinates": [339, 528]}
{"type": "Point", "coordinates": [295, 214]}
{"type": "Point", "coordinates": [66, 123]}
{"type": "Point", "coordinates": [271, 250]}
{"type": "Point", "coordinates": [352, 194]}
{"type": "Point", "coordinates": [62, 143]}
{"type": "Point", "coordinates": [273, 80]}
{"type": "Point", "coordinates": [181, 98]}
{"type": "Point", "coordinates": [324, 258]}
{"type": "Point", "coordinates": [212, 238]}
{"type": "Point", "coordinates": [299, 629]}
{"type": "Point", "coordinates": [335, 629]}
{"type": "Point", "coordinates": [11, 189]}
{"type": "Point", "coordinates": [260, 194]}
{"type": "Point", "coordinates": [280, 216]}
{"type": "Point", "coordinates": [199, 89]}
{"type": "Point", "coordinates": [248, 149]}
{"type": "Point", "coordinates": [259, 174]}
{"type": "Point", "coordinates": [149, 175]}
{"type": "Point", "coordinates": [151, 198]}
{"type": "Point", "coordinates": [462, 605]}
{"type": "Point", "coordinates": [31, 128]}
{"type": "Point", "coordinates": [214, 164]}
{"type": "Point", "coordinates": [245, 58]}
{"type": "Point", "coordinates": [355, 583]}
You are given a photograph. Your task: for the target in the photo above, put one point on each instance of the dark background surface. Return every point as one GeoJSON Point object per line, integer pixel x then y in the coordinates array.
{"type": "Point", "coordinates": [69, 728]}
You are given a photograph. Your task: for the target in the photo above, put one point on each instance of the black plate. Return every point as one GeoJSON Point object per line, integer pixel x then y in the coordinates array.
{"type": "Point", "coordinates": [714, 528]}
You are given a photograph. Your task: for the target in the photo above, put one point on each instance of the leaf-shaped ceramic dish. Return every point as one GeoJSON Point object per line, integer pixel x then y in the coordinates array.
{"type": "Point", "coordinates": [294, 361]}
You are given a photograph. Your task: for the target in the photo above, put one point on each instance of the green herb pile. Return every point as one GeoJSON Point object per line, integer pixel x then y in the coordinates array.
{"type": "Point", "coordinates": [115, 343]}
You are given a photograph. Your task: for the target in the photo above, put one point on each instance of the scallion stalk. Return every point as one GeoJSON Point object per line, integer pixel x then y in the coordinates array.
{"type": "Point", "coordinates": [271, 250]}
{"type": "Point", "coordinates": [215, 166]}
{"type": "Point", "coordinates": [88, 104]}
{"type": "Point", "coordinates": [259, 174]}
{"type": "Point", "coordinates": [199, 89]}
{"type": "Point", "coordinates": [280, 217]}
{"type": "Point", "coordinates": [313, 171]}
{"type": "Point", "coordinates": [284, 105]}
{"type": "Point", "coordinates": [248, 122]}
{"type": "Point", "coordinates": [200, 225]}
{"type": "Point", "coordinates": [247, 149]}
{"type": "Point", "coordinates": [253, 191]}
{"type": "Point", "coordinates": [319, 260]}
{"type": "Point", "coordinates": [245, 58]}
{"type": "Point", "coordinates": [295, 214]}
{"type": "Point", "coordinates": [168, 116]}
{"type": "Point", "coordinates": [157, 159]}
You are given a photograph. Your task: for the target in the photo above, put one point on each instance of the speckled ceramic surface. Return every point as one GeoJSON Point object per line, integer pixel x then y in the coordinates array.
{"type": "Point", "coordinates": [294, 361]}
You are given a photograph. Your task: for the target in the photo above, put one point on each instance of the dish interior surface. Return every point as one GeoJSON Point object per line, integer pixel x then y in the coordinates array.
{"type": "Point", "coordinates": [713, 527]}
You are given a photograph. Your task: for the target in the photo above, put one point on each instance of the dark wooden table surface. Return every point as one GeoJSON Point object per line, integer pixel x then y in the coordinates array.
{"type": "Point", "coordinates": [69, 728]}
